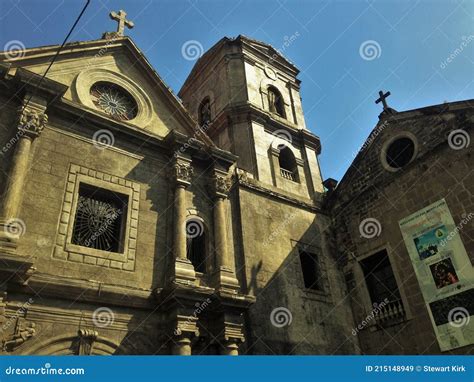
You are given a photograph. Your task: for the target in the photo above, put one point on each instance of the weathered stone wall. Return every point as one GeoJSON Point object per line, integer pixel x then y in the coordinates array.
{"type": "Point", "coordinates": [368, 190]}
{"type": "Point", "coordinates": [272, 231]}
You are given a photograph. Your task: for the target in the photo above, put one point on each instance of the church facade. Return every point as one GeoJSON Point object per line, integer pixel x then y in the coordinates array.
{"type": "Point", "coordinates": [135, 221]}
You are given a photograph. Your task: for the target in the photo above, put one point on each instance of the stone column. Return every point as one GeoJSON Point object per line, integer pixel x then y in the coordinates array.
{"type": "Point", "coordinates": [31, 122]}
{"type": "Point", "coordinates": [230, 348]}
{"type": "Point", "coordinates": [181, 346]}
{"type": "Point", "coordinates": [182, 174]}
{"type": "Point", "coordinates": [180, 221]}
{"type": "Point", "coordinates": [222, 253]}
{"type": "Point", "coordinates": [226, 279]}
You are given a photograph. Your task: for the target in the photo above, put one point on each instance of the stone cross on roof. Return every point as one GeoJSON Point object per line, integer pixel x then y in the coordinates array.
{"type": "Point", "coordinates": [120, 17]}
{"type": "Point", "coordinates": [383, 98]}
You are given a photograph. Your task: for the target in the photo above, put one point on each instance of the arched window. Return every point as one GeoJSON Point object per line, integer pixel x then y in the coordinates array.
{"type": "Point", "coordinates": [205, 112]}
{"type": "Point", "coordinates": [288, 167]}
{"type": "Point", "coordinates": [196, 244]}
{"type": "Point", "coordinates": [275, 102]}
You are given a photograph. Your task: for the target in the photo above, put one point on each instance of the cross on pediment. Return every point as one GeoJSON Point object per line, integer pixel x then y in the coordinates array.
{"type": "Point", "coordinates": [383, 98]}
{"type": "Point", "coordinates": [120, 17]}
{"type": "Point", "coordinates": [386, 109]}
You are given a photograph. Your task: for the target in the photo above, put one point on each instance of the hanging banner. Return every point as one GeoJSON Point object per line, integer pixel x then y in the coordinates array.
{"type": "Point", "coordinates": [444, 272]}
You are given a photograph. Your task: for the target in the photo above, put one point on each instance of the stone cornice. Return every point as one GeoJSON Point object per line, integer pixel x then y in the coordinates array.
{"type": "Point", "coordinates": [26, 81]}
{"type": "Point", "coordinates": [89, 291]}
{"type": "Point", "coordinates": [250, 111]}
{"type": "Point", "coordinates": [252, 185]}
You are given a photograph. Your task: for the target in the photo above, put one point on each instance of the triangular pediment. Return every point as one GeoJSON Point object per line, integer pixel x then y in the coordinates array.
{"type": "Point", "coordinates": [79, 65]}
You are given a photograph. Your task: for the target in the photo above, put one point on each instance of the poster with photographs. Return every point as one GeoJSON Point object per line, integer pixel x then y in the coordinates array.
{"type": "Point", "coordinates": [444, 272]}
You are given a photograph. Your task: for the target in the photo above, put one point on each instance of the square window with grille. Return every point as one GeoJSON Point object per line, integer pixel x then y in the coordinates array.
{"type": "Point", "coordinates": [100, 219]}
{"type": "Point", "coordinates": [311, 268]}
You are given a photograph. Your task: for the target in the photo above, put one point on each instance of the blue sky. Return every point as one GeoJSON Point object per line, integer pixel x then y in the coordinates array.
{"type": "Point", "coordinates": [411, 43]}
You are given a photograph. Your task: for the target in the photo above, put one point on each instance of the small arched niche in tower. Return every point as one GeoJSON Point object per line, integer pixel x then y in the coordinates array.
{"type": "Point", "coordinates": [275, 102]}
{"type": "Point", "coordinates": [205, 112]}
{"type": "Point", "coordinates": [288, 166]}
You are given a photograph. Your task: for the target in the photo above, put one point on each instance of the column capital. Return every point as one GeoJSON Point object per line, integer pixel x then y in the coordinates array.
{"type": "Point", "coordinates": [232, 334]}
{"type": "Point", "coordinates": [182, 171]}
{"type": "Point", "coordinates": [186, 326]}
{"type": "Point", "coordinates": [31, 121]}
{"type": "Point", "coordinates": [185, 330]}
{"type": "Point", "coordinates": [220, 184]}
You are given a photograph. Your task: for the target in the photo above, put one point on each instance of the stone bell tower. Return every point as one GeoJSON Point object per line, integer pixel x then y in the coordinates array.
{"type": "Point", "coordinates": [246, 96]}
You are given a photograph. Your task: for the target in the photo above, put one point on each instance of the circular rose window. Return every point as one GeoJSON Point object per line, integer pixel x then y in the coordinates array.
{"type": "Point", "coordinates": [114, 101]}
{"type": "Point", "coordinates": [400, 152]}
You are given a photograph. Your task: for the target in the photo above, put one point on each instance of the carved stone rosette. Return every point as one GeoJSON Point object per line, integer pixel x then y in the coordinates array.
{"type": "Point", "coordinates": [31, 122]}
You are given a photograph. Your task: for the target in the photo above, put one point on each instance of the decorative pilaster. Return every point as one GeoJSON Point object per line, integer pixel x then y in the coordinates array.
{"type": "Point", "coordinates": [182, 172]}
{"type": "Point", "coordinates": [220, 186]}
{"type": "Point", "coordinates": [31, 122]}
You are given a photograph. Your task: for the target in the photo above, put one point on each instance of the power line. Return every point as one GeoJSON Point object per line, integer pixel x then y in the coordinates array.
{"type": "Point", "coordinates": [57, 54]}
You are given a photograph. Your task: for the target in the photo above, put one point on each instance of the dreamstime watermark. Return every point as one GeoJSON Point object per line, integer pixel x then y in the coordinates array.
{"type": "Point", "coordinates": [288, 41]}
{"type": "Point", "coordinates": [103, 138]}
{"type": "Point", "coordinates": [370, 228]}
{"type": "Point", "coordinates": [192, 50]}
{"type": "Point", "coordinates": [102, 51]}
{"type": "Point", "coordinates": [103, 317]}
{"type": "Point", "coordinates": [466, 40]}
{"type": "Point", "coordinates": [370, 50]}
{"type": "Point", "coordinates": [20, 312]}
{"type": "Point", "coordinates": [280, 317]}
{"type": "Point", "coordinates": [371, 138]}
{"type": "Point", "coordinates": [14, 49]}
{"type": "Point", "coordinates": [194, 228]}
{"type": "Point", "coordinates": [458, 317]}
{"type": "Point", "coordinates": [466, 219]}
{"type": "Point", "coordinates": [459, 139]}
{"type": "Point", "coordinates": [104, 226]}
{"type": "Point", "coordinates": [288, 218]}
{"type": "Point", "coordinates": [200, 307]}
{"type": "Point", "coordinates": [284, 135]}
{"type": "Point", "coordinates": [200, 131]}
{"type": "Point", "coordinates": [13, 141]}
{"type": "Point", "coordinates": [14, 228]}
{"type": "Point", "coordinates": [377, 309]}
{"type": "Point", "coordinates": [46, 370]}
